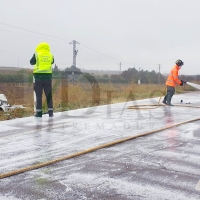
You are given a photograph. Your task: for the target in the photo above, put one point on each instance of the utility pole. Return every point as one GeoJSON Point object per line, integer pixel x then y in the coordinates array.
{"type": "Point", "coordinates": [139, 76]}
{"type": "Point", "coordinates": [75, 52]}
{"type": "Point", "coordinates": [159, 66]}
{"type": "Point", "coordinates": [120, 68]}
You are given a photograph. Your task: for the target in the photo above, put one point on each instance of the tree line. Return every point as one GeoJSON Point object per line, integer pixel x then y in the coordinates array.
{"type": "Point", "coordinates": [73, 73]}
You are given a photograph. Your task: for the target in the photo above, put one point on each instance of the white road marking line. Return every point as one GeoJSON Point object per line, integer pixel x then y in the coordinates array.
{"type": "Point", "coordinates": [198, 186]}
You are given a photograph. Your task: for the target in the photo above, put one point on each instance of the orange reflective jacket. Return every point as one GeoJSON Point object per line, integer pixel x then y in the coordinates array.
{"type": "Point", "coordinates": [172, 79]}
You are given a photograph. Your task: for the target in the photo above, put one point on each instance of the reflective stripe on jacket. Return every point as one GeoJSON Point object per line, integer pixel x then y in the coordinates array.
{"type": "Point", "coordinates": [172, 79]}
{"type": "Point", "coordinates": [43, 59]}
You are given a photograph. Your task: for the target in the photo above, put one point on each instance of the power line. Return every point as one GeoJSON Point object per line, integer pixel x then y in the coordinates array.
{"type": "Point", "coordinates": [99, 56]}
{"type": "Point", "coordinates": [99, 52]}
{"type": "Point", "coordinates": [60, 39]}
{"type": "Point", "coordinates": [17, 27]}
{"type": "Point", "coordinates": [54, 37]}
{"type": "Point", "coordinates": [32, 35]}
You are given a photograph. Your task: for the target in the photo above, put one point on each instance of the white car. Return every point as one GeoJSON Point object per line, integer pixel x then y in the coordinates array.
{"type": "Point", "coordinates": [5, 106]}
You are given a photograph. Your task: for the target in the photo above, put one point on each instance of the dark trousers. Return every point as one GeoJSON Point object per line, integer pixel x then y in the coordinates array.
{"type": "Point", "coordinates": [45, 85]}
{"type": "Point", "coordinates": [169, 95]}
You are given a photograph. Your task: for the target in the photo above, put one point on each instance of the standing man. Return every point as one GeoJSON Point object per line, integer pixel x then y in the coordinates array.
{"type": "Point", "coordinates": [172, 79]}
{"type": "Point", "coordinates": [42, 60]}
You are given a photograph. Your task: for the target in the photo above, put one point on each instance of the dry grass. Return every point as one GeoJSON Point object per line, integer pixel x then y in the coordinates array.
{"type": "Point", "coordinates": [68, 96]}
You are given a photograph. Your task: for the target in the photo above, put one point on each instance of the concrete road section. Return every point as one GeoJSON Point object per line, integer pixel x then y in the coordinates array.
{"type": "Point", "coordinates": [163, 165]}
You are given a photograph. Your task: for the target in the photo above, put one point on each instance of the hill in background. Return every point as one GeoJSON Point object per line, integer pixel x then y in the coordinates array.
{"type": "Point", "coordinates": [10, 70]}
{"type": "Point", "coordinates": [100, 72]}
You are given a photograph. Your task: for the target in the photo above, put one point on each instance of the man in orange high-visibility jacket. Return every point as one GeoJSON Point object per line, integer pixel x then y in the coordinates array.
{"type": "Point", "coordinates": [171, 82]}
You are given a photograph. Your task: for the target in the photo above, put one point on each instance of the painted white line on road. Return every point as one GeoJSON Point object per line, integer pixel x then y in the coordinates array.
{"type": "Point", "coordinates": [198, 186]}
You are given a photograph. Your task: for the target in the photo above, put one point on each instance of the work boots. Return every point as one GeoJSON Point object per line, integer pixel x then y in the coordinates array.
{"type": "Point", "coordinates": [38, 114]}
{"type": "Point", "coordinates": [165, 100]}
{"type": "Point", "coordinates": [50, 112]}
{"type": "Point", "coordinates": [169, 104]}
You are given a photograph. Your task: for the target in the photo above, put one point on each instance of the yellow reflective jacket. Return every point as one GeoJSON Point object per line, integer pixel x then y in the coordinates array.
{"type": "Point", "coordinates": [43, 58]}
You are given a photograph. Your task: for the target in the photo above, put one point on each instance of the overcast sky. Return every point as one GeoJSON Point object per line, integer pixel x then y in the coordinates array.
{"type": "Point", "coordinates": [137, 33]}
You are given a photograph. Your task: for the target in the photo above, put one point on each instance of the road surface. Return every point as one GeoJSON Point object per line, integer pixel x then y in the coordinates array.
{"type": "Point", "coordinates": [163, 165]}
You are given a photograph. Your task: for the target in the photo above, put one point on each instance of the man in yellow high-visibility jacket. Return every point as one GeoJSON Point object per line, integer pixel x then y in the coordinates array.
{"type": "Point", "coordinates": [42, 60]}
{"type": "Point", "coordinates": [171, 82]}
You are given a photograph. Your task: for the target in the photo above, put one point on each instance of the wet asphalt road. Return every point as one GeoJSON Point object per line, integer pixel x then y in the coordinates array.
{"type": "Point", "coordinates": [162, 165]}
